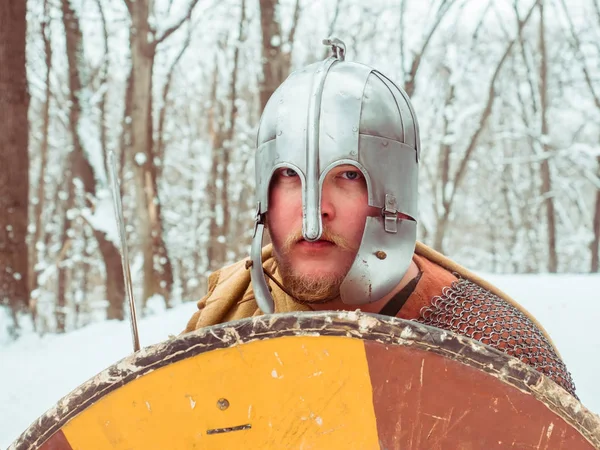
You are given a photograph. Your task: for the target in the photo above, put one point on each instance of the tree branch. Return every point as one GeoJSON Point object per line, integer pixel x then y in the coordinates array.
{"type": "Point", "coordinates": [332, 24]}
{"type": "Point", "coordinates": [576, 45]}
{"type": "Point", "coordinates": [409, 85]}
{"type": "Point", "coordinates": [292, 33]}
{"type": "Point", "coordinates": [103, 80]}
{"type": "Point", "coordinates": [169, 31]}
{"type": "Point", "coordinates": [597, 9]}
{"type": "Point", "coordinates": [488, 107]}
{"type": "Point", "coordinates": [165, 93]}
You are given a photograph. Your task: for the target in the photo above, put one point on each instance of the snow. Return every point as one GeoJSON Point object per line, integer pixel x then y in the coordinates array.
{"type": "Point", "coordinates": [103, 217]}
{"type": "Point", "coordinates": [140, 158]}
{"type": "Point", "coordinates": [38, 371]}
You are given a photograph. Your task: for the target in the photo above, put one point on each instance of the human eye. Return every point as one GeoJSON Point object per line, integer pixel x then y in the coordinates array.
{"type": "Point", "coordinates": [287, 172]}
{"type": "Point", "coordinates": [351, 174]}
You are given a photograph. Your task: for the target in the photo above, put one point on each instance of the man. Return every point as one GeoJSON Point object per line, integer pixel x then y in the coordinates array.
{"type": "Point", "coordinates": [336, 165]}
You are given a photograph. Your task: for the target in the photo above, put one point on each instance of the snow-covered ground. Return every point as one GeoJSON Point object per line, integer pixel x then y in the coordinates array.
{"type": "Point", "coordinates": [36, 372]}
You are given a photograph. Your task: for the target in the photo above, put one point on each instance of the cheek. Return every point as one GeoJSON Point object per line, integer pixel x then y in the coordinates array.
{"type": "Point", "coordinates": [356, 217]}
{"type": "Point", "coordinates": [282, 214]}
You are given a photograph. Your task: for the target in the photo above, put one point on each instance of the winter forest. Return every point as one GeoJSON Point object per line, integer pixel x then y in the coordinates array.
{"type": "Point", "coordinates": [507, 94]}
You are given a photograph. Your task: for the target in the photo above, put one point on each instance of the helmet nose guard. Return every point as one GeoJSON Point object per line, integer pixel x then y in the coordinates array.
{"type": "Point", "coordinates": [331, 113]}
{"type": "Point", "coordinates": [312, 225]}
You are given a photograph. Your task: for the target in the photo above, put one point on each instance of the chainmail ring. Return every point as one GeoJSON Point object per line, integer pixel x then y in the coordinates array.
{"type": "Point", "coordinates": [467, 309]}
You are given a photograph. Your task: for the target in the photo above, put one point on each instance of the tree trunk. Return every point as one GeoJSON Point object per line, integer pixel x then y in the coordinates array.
{"type": "Point", "coordinates": [276, 65]}
{"type": "Point", "coordinates": [159, 147]}
{"type": "Point", "coordinates": [443, 177]}
{"type": "Point", "coordinates": [158, 273]}
{"type": "Point", "coordinates": [450, 189]}
{"type": "Point", "coordinates": [103, 82]}
{"type": "Point", "coordinates": [275, 62]}
{"type": "Point", "coordinates": [440, 231]}
{"type": "Point", "coordinates": [115, 284]}
{"type": "Point", "coordinates": [411, 76]}
{"type": "Point", "coordinates": [14, 159]}
{"type": "Point", "coordinates": [222, 137]}
{"type": "Point", "coordinates": [35, 255]}
{"type": "Point", "coordinates": [60, 308]}
{"type": "Point", "coordinates": [216, 243]}
{"type": "Point", "coordinates": [595, 245]}
{"type": "Point", "coordinates": [81, 167]}
{"type": "Point", "coordinates": [589, 80]}
{"type": "Point", "coordinates": [546, 189]}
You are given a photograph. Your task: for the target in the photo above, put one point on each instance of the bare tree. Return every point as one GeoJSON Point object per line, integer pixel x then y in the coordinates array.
{"type": "Point", "coordinates": [144, 39]}
{"type": "Point", "coordinates": [222, 132]}
{"type": "Point", "coordinates": [528, 201]}
{"type": "Point", "coordinates": [332, 25]}
{"type": "Point", "coordinates": [595, 244]}
{"type": "Point", "coordinates": [215, 113]}
{"type": "Point", "coordinates": [60, 307]}
{"type": "Point", "coordinates": [411, 75]}
{"type": "Point", "coordinates": [41, 191]}
{"type": "Point", "coordinates": [592, 87]}
{"type": "Point", "coordinates": [160, 144]}
{"type": "Point", "coordinates": [14, 159]}
{"type": "Point", "coordinates": [103, 82]}
{"type": "Point", "coordinates": [454, 180]}
{"type": "Point", "coordinates": [81, 167]}
{"type": "Point", "coordinates": [443, 179]}
{"type": "Point", "coordinates": [276, 56]}
{"type": "Point", "coordinates": [546, 188]}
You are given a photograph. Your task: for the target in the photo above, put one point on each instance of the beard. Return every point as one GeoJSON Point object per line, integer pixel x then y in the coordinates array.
{"type": "Point", "coordinates": [311, 288]}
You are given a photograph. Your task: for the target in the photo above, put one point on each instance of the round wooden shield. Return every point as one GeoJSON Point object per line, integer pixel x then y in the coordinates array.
{"type": "Point", "coordinates": [317, 381]}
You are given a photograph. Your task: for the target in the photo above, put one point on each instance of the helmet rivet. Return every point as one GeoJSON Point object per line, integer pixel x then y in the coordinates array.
{"type": "Point", "coordinates": [381, 254]}
{"type": "Point", "coordinates": [385, 143]}
{"type": "Point", "coordinates": [354, 128]}
{"type": "Point", "coordinates": [223, 404]}
{"type": "Point", "coordinates": [279, 133]}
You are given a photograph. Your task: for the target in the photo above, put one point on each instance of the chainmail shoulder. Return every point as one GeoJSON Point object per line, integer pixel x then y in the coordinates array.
{"type": "Point", "coordinates": [467, 309]}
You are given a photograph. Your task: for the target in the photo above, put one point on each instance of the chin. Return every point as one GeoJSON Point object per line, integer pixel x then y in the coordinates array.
{"type": "Point", "coordinates": [319, 270]}
{"type": "Point", "coordinates": [317, 267]}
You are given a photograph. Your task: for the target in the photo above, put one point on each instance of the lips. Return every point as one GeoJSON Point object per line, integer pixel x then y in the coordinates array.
{"type": "Point", "coordinates": [320, 241]}
{"type": "Point", "coordinates": [320, 245]}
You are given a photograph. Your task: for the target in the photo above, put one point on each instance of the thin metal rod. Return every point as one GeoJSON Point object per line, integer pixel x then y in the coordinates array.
{"type": "Point", "coordinates": [116, 191]}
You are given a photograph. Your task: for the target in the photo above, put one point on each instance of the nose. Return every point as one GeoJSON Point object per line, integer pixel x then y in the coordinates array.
{"type": "Point", "coordinates": [312, 230]}
{"type": "Point", "coordinates": [327, 204]}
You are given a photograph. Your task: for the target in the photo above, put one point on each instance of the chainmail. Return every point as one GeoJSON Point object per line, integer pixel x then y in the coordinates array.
{"type": "Point", "coordinates": [469, 310]}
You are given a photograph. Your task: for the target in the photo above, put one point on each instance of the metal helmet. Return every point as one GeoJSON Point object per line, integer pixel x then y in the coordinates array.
{"type": "Point", "coordinates": [332, 113]}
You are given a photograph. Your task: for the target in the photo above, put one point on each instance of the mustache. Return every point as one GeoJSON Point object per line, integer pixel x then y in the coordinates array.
{"type": "Point", "coordinates": [327, 235]}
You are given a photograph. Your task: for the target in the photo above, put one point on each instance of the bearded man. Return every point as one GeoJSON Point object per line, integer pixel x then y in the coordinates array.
{"type": "Point", "coordinates": [337, 161]}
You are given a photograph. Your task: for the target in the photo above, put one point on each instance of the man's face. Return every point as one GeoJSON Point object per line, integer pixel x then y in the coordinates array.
{"type": "Point", "coordinates": [313, 271]}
